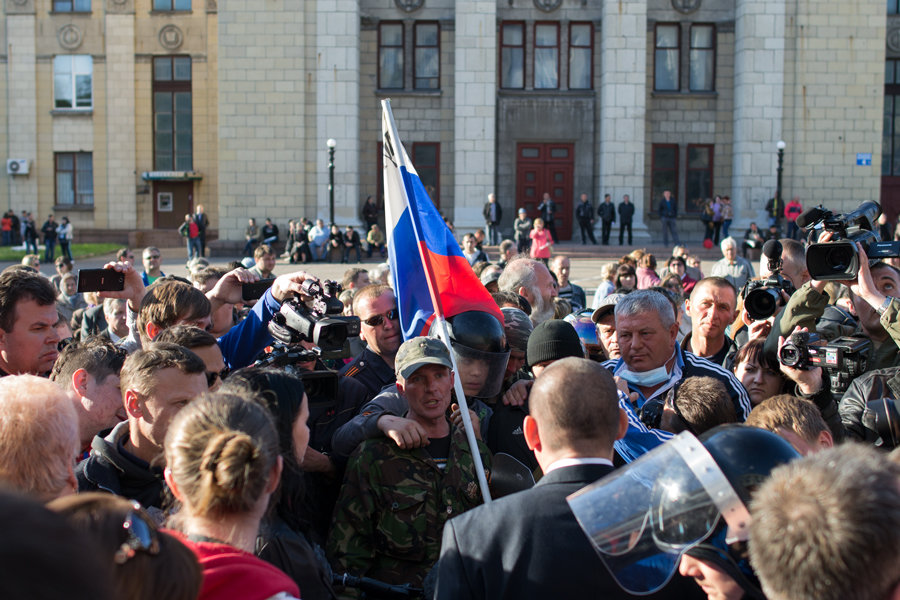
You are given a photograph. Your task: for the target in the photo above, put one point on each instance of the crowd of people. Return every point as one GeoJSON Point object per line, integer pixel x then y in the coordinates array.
{"type": "Point", "coordinates": [160, 443]}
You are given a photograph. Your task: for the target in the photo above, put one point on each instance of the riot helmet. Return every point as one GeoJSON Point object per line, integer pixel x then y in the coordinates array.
{"type": "Point", "coordinates": [689, 496]}
{"type": "Point", "coordinates": [479, 346]}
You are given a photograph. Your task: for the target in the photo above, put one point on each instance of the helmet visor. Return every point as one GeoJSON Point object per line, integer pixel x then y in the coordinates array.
{"type": "Point", "coordinates": [643, 517]}
{"type": "Point", "coordinates": [481, 373]}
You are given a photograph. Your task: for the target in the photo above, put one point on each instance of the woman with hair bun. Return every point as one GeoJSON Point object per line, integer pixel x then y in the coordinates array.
{"type": "Point", "coordinates": [223, 466]}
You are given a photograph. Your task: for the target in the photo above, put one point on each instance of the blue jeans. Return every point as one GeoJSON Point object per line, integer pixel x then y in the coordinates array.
{"type": "Point", "coordinates": [193, 248]}
{"type": "Point", "coordinates": [49, 250]}
{"type": "Point", "coordinates": [726, 224]}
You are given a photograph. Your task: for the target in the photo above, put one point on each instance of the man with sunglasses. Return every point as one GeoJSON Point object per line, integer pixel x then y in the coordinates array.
{"type": "Point", "coordinates": [152, 260]}
{"type": "Point", "coordinates": [376, 307]}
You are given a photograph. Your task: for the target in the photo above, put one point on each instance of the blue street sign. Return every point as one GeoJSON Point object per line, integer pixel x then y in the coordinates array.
{"type": "Point", "coordinates": [863, 159]}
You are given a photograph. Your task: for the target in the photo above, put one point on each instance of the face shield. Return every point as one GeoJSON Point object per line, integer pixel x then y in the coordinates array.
{"type": "Point", "coordinates": [642, 518]}
{"type": "Point", "coordinates": [481, 373]}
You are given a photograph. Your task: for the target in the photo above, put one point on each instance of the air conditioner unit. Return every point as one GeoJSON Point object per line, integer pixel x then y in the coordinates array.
{"type": "Point", "coordinates": [17, 166]}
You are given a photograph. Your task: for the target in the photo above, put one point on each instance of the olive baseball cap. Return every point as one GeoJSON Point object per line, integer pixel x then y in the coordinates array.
{"type": "Point", "coordinates": [418, 352]}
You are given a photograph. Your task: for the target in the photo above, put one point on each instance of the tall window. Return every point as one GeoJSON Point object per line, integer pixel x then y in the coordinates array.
{"type": "Point", "coordinates": [390, 56]}
{"type": "Point", "coordinates": [72, 75]}
{"type": "Point", "coordinates": [893, 7]}
{"type": "Point", "coordinates": [703, 58]}
{"type": "Point", "coordinates": [170, 5]}
{"type": "Point", "coordinates": [546, 56]}
{"type": "Point", "coordinates": [666, 57]}
{"type": "Point", "coordinates": [426, 157]}
{"type": "Point", "coordinates": [663, 171]}
{"type": "Point", "coordinates": [426, 56]}
{"type": "Point", "coordinates": [512, 56]}
{"type": "Point", "coordinates": [71, 5]}
{"type": "Point", "coordinates": [699, 182]}
{"type": "Point", "coordinates": [890, 147]}
{"type": "Point", "coordinates": [172, 115]}
{"type": "Point", "coordinates": [581, 56]}
{"type": "Point", "coordinates": [74, 178]}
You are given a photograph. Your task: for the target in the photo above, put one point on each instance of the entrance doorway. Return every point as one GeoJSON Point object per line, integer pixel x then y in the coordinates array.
{"type": "Point", "coordinates": [171, 201]}
{"type": "Point", "coordinates": [546, 168]}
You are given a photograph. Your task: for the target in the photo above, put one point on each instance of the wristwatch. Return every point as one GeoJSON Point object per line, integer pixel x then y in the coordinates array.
{"type": "Point", "coordinates": [884, 305]}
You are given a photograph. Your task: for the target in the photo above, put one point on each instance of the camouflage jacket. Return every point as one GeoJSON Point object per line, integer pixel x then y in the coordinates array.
{"type": "Point", "coordinates": [393, 505]}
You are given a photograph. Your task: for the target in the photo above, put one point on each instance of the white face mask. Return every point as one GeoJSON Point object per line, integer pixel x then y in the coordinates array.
{"type": "Point", "coordinates": [646, 378]}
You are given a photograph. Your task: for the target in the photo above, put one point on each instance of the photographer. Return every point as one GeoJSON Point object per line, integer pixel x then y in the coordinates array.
{"type": "Point", "coordinates": [873, 297]}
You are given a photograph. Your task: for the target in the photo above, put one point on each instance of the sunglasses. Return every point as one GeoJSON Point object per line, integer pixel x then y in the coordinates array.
{"type": "Point", "coordinates": [141, 536]}
{"type": "Point", "coordinates": [212, 376]}
{"type": "Point", "coordinates": [376, 320]}
{"type": "Point", "coordinates": [152, 256]}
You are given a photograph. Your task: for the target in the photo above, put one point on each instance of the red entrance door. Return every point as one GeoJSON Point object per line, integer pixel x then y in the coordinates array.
{"type": "Point", "coordinates": [546, 168]}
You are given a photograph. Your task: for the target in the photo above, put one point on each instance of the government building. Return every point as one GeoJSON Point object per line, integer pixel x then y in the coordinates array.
{"type": "Point", "coordinates": [127, 114]}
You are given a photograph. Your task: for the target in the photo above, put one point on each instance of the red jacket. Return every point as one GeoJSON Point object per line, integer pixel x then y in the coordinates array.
{"type": "Point", "coordinates": [232, 574]}
{"type": "Point", "coordinates": [792, 211]}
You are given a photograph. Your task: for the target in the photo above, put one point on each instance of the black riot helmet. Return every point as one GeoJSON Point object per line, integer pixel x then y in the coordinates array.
{"type": "Point", "coordinates": [481, 351]}
{"type": "Point", "coordinates": [688, 496]}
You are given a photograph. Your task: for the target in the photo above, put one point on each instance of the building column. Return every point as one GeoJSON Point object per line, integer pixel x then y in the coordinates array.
{"type": "Point", "coordinates": [623, 107]}
{"type": "Point", "coordinates": [337, 108]}
{"type": "Point", "coordinates": [263, 134]}
{"type": "Point", "coordinates": [121, 207]}
{"type": "Point", "coordinates": [475, 122]}
{"type": "Point", "coordinates": [759, 74]}
{"type": "Point", "coordinates": [21, 109]}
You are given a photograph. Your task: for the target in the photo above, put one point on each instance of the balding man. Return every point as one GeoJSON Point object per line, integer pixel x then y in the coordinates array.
{"type": "Point", "coordinates": [529, 545]}
{"type": "Point", "coordinates": [38, 437]}
{"type": "Point", "coordinates": [532, 280]}
{"type": "Point", "coordinates": [711, 307]}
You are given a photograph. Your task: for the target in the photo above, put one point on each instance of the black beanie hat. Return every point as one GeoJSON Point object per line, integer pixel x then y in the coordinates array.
{"type": "Point", "coordinates": [553, 340]}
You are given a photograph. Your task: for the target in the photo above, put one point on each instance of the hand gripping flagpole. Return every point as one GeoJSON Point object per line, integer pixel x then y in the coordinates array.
{"type": "Point", "coordinates": [441, 322]}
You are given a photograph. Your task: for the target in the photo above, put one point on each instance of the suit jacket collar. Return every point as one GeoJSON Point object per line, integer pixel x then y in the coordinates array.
{"type": "Point", "coordinates": [576, 474]}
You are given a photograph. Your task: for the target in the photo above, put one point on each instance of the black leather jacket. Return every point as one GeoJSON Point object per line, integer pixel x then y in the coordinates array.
{"type": "Point", "coordinates": [874, 385]}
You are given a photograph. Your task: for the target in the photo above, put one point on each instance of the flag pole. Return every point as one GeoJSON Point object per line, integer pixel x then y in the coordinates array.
{"type": "Point", "coordinates": [441, 322]}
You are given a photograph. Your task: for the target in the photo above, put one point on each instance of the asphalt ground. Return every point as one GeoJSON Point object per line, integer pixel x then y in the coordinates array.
{"type": "Point", "coordinates": [586, 262]}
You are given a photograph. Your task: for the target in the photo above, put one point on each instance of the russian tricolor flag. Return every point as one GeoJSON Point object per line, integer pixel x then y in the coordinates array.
{"type": "Point", "coordinates": [431, 275]}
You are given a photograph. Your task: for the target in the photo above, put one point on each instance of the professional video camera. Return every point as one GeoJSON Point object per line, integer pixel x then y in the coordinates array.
{"type": "Point", "coordinates": [882, 417]}
{"type": "Point", "coordinates": [844, 358]}
{"type": "Point", "coordinates": [838, 259]}
{"type": "Point", "coordinates": [318, 320]}
{"type": "Point", "coordinates": [762, 297]}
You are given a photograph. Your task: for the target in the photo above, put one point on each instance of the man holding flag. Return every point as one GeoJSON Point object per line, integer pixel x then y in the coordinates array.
{"type": "Point", "coordinates": [432, 279]}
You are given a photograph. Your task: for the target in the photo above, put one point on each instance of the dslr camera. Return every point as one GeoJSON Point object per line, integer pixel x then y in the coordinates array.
{"type": "Point", "coordinates": [317, 320]}
{"type": "Point", "coordinates": [844, 359]}
{"type": "Point", "coordinates": [838, 259]}
{"type": "Point", "coordinates": [762, 297]}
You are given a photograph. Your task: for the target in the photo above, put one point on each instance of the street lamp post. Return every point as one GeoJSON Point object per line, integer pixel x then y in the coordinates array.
{"type": "Point", "coordinates": [780, 145]}
{"type": "Point", "coordinates": [331, 144]}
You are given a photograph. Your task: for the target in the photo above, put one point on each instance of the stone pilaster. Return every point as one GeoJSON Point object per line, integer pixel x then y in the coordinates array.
{"type": "Point", "coordinates": [623, 106]}
{"type": "Point", "coordinates": [475, 96]}
{"type": "Point", "coordinates": [759, 78]}
{"type": "Point", "coordinates": [21, 111]}
{"type": "Point", "coordinates": [121, 206]}
{"type": "Point", "coordinates": [263, 138]}
{"type": "Point", "coordinates": [337, 109]}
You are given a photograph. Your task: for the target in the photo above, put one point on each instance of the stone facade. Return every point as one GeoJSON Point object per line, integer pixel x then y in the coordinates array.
{"type": "Point", "coordinates": [271, 84]}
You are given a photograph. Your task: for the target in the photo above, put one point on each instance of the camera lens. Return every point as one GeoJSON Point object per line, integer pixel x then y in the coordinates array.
{"type": "Point", "coordinates": [839, 257]}
{"type": "Point", "coordinates": [761, 303]}
{"type": "Point", "coordinates": [789, 356]}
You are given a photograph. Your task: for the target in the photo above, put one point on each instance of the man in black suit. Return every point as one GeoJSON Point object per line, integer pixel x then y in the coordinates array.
{"type": "Point", "coordinates": [529, 545]}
